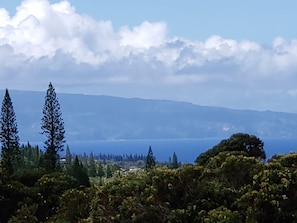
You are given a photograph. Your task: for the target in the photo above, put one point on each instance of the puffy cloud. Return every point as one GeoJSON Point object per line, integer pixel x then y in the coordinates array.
{"type": "Point", "coordinates": [44, 41]}
{"type": "Point", "coordinates": [144, 36]}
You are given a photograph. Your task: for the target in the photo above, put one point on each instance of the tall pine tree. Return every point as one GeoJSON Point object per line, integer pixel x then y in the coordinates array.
{"type": "Point", "coordinates": [52, 126]}
{"type": "Point", "coordinates": [150, 160]}
{"type": "Point", "coordinates": [174, 163]}
{"type": "Point", "coordinates": [9, 135]}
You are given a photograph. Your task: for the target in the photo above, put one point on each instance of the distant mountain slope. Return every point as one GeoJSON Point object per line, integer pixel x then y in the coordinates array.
{"type": "Point", "coordinates": [90, 117]}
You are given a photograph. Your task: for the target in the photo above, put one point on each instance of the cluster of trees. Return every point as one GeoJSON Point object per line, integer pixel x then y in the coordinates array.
{"type": "Point", "coordinates": [232, 185]}
{"type": "Point", "coordinates": [52, 127]}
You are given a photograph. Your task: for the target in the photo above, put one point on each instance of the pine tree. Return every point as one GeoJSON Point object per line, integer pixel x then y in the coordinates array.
{"type": "Point", "coordinates": [150, 160]}
{"type": "Point", "coordinates": [108, 171]}
{"type": "Point", "coordinates": [68, 159]}
{"type": "Point", "coordinates": [101, 172]}
{"type": "Point", "coordinates": [174, 162]}
{"type": "Point", "coordinates": [52, 126]}
{"type": "Point", "coordinates": [79, 172]}
{"type": "Point", "coordinates": [68, 156]}
{"type": "Point", "coordinates": [9, 135]}
{"type": "Point", "coordinates": [92, 166]}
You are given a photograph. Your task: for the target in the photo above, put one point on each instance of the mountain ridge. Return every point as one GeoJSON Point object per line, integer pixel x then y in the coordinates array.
{"type": "Point", "coordinates": [102, 117]}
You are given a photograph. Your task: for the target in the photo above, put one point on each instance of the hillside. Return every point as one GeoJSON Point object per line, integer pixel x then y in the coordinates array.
{"type": "Point", "coordinates": [90, 117]}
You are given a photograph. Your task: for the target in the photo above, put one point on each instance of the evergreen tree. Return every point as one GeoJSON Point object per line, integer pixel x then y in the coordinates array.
{"type": "Point", "coordinates": [53, 128]}
{"type": "Point", "coordinates": [108, 171]}
{"type": "Point", "coordinates": [84, 159]}
{"type": "Point", "coordinates": [174, 162]}
{"type": "Point", "coordinates": [30, 156]}
{"type": "Point", "coordinates": [79, 172]}
{"type": "Point", "coordinates": [101, 172]}
{"type": "Point", "coordinates": [92, 166]}
{"type": "Point", "coordinates": [9, 135]}
{"type": "Point", "coordinates": [68, 159]}
{"type": "Point", "coordinates": [68, 156]}
{"type": "Point", "coordinates": [150, 160]}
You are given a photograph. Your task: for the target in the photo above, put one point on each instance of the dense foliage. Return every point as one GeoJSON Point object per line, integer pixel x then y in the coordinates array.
{"type": "Point", "coordinates": [230, 187]}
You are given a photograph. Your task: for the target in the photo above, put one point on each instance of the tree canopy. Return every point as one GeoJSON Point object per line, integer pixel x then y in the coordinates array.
{"type": "Point", "coordinates": [240, 142]}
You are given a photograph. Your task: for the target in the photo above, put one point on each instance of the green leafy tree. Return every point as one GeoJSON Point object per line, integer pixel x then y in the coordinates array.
{"type": "Point", "coordinates": [240, 142]}
{"type": "Point", "coordinates": [74, 205]}
{"type": "Point", "coordinates": [53, 128]}
{"type": "Point", "coordinates": [51, 186]}
{"type": "Point", "coordinates": [9, 135]}
{"type": "Point", "coordinates": [150, 160]}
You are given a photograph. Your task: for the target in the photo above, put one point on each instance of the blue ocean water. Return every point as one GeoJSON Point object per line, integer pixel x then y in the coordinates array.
{"type": "Point", "coordinates": [186, 150]}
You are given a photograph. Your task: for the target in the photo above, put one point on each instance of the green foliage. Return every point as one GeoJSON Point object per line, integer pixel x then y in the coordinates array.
{"type": "Point", "coordinates": [78, 171]}
{"type": "Point", "coordinates": [52, 126]}
{"type": "Point", "coordinates": [26, 214]}
{"type": "Point", "coordinates": [92, 166]}
{"type": "Point", "coordinates": [222, 215]}
{"type": "Point", "coordinates": [29, 156]}
{"type": "Point", "coordinates": [240, 142]}
{"type": "Point", "coordinates": [234, 169]}
{"type": "Point", "coordinates": [232, 185]}
{"type": "Point", "coordinates": [74, 205]}
{"type": "Point", "coordinates": [101, 172]}
{"type": "Point", "coordinates": [51, 187]}
{"type": "Point", "coordinates": [9, 136]}
{"type": "Point", "coordinates": [29, 177]}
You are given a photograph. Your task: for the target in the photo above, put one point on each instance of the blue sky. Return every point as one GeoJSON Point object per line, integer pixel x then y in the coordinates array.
{"type": "Point", "coordinates": [237, 54]}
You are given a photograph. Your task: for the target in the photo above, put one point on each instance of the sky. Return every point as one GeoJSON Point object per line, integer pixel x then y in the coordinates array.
{"type": "Point", "coordinates": [225, 53]}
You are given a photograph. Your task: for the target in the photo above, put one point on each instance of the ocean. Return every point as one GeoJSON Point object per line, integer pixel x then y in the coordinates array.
{"type": "Point", "coordinates": [186, 150]}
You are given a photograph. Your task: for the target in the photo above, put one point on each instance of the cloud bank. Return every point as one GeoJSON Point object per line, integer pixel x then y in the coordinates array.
{"type": "Point", "coordinates": [45, 42]}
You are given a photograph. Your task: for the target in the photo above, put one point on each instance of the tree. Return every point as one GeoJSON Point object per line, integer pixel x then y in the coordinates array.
{"type": "Point", "coordinates": [249, 144]}
{"type": "Point", "coordinates": [68, 158]}
{"type": "Point", "coordinates": [150, 160]}
{"type": "Point", "coordinates": [53, 127]}
{"type": "Point", "coordinates": [80, 173]}
{"type": "Point", "coordinates": [174, 161]}
{"type": "Point", "coordinates": [101, 172]}
{"type": "Point", "coordinates": [9, 135]}
{"type": "Point", "coordinates": [92, 166]}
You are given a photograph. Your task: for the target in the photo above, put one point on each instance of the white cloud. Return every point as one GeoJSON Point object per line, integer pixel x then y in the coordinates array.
{"type": "Point", "coordinates": [144, 36]}
{"type": "Point", "coordinates": [44, 41]}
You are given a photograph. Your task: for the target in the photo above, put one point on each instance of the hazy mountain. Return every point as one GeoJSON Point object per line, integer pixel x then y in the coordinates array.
{"type": "Point", "coordinates": [103, 117]}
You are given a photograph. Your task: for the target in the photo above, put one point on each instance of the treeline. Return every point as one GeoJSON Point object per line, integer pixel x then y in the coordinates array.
{"type": "Point", "coordinates": [120, 158]}
{"type": "Point", "coordinates": [231, 182]}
